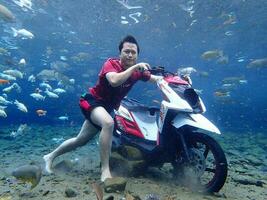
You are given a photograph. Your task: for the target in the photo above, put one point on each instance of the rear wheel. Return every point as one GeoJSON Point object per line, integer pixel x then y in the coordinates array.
{"type": "Point", "coordinates": [207, 169]}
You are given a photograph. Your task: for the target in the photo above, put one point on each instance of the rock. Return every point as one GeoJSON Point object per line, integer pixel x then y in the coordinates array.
{"type": "Point", "coordinates": [152, 197]}
{"type": "Point", "coordinates": [118, 164]}
{"type": "Point", "coordinates": [86, 191]}
{"type": "Point", "coordinates": [124, 167]}
{"type": "Point", "coordinates": [70, 192]}
{"type": "Point", "coordinates": [6, 197]}
{"type": "Point", "coordinates": [131, 197]}
{"type": "Point", "coordinates": [253, 160]}
{"type": "Point", "coordinates": [2, 178]}
{"type": "Point", "coordinates": [248, 181]}
{"type": "Point", "coordinates": [64, 166]}
{"type": "Point", "coordinates": [115, 184]}
{"type": "Point", "coordinates": [239, 169]}
{"type": "Point", "coordinates": [46, 192]}
{"type": "Point", "coordinates": [131, 153]}
{"type": "Point", "coordinates": [28, 173]}
{"type": "Point", "coordinates": [219, 195]}
{"type": "Point", "coordinates": [27, 195]}
{"type": "Point", "coordinates": [137, 167]}
{"type": "Point", "coordinates": [109, 197]}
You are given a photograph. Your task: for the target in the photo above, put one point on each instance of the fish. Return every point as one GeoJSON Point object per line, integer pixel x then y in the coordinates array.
{"type": "Point", "coordinates": [2, 112]}
{"type": "Point", "coordinates": [243, 81]}
{"type": "Point", "coordinates": [59, 91]}
{"type": "Point", "coordinates": [233, 79]}
{"type": "Point", "coordinates": [28, 173]}
{"type": "Point", "coordinates": [23, 33]}
{"type": "Point", "coordinates": [2, 107]}
{"type": "Point", "coordinates": [47, 74]}
{"type": "Point", "coordinates": [58, 140]}
{"type": "Point", "coordinates": [228, 86]}
{"type": "Point", "coordinates": [21, 106]}
{"type": "Point", "coordinates": [8, 89]}
{"type": "Point", "coordinates": [41, 112]}
{"type": "Point", "coordinates": [186, 71]}
{"type": "Point", "coordinates": [4, 51]}
{"type": "Point", "coordinates": [4, 101]}
{"type": "Point", "coordinates": [45, 85]}
{"type": "Point", "coordinates": [203, 74]}
{"type": "Point", "coordinates": [14, 73]}
{"type": "Point", "coordinates": [22, 62]}
{"type": "Point", "coordinates": [17, 87]}
{"type": "Point", "coordinates": [63, 118]}
{"type": "Point", "coordinates": [222, 60]}
{"type": "Point", "coordinates": [6, 14]}
{"type": "Point", "coordinates": [126, 5]}
{"type": "Point", "coordinates": [37, 96]}
{"type": "Point", "coordinates": [258, 63]}
{"type": "Point", "coordinates": [4, 81]}
{"type": "Point", "coordinates": [51, 94]}
{"type": "Point", "coordinates": [208, 55]}
{"type": "Point", "coordinates": [72, 81]}
{"type": "Point", "coordinates": [21, 130]}
{"type": "Point", "coordinates": [64, 80]}
{"type": "Point", "coordinates": [63, 58]}
{"type": "Point", "coordinates": [222, 93]}
{"type": "Point", "coordinates": [13, 86]}
{"type": "Point", "coordinates": [231, 20]}
{"type": "Point", "coordinates": [7, 77]}
{"type": "Point", "coordinates": [31, 78]}
{"type": "Point", "coordinates": [4, 95]}
{"type": "Point", "coordinates": [60, 66]}
{"type": "Point", "coordinates": [24, 3]}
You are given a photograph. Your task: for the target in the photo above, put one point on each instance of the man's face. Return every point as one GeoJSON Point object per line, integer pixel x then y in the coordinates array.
{"type": "Point", "coordinates": [128, 55]}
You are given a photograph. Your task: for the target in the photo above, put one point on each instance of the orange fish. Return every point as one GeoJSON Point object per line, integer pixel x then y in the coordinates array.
{"type": "Point", "coordinates": [221, 94]}
{"type": "Point", "coordinates": [41, 112]}
{"type": "Point", "coordinates": [3, 81]}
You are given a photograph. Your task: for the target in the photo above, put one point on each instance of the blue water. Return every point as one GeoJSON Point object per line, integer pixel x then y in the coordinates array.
{"type": "Point", "coordinates": [171, 33]}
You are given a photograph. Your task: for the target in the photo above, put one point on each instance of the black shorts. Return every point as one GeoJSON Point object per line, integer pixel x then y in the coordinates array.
{"type": "Point", "coordinates": [88, 102]}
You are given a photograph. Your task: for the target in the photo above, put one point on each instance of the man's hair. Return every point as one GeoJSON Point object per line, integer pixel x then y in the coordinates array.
{"type": "Point", "coordinates": [130, 39]}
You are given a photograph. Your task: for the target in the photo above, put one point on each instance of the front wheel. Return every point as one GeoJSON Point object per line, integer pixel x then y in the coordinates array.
{"type": "Point", "coordinates": [206, 170]}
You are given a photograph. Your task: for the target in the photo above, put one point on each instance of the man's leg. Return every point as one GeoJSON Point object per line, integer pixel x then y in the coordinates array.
{"type": "Point", "coordinates": [103, 119]}
{"type": "Point", "coordinates": [87, 132]}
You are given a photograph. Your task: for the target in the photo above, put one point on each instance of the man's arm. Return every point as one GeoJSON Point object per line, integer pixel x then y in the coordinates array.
{"type": "Point", "coordinates": [115, 79]}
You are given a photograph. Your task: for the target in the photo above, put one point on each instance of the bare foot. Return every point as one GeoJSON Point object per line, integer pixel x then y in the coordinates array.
{"type": "Point", "coordinates": [105, 174]}
{"type": "Point", "coordinates": [48, 164]}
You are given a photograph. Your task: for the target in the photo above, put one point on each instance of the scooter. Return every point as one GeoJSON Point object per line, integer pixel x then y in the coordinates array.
{"type": "Point", "coordinates": [176, 133]}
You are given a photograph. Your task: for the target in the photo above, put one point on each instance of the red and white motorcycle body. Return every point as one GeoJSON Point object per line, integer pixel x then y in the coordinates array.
{"type": "Point", "coordinates": [173, 133]}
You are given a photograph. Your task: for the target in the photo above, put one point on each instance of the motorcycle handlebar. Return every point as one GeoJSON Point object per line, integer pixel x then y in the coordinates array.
{"type": "Point", "coordinates": [159, 70]}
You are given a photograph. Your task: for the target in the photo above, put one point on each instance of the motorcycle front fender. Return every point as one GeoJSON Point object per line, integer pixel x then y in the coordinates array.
{"type": "Point", "coordinates": [194, 120]}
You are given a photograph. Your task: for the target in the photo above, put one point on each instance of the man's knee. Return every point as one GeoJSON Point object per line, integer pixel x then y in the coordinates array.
{"type": "Point", "coordinates": [109, 124]}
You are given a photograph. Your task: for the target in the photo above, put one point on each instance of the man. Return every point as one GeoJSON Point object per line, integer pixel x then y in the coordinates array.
{"type": "Point", "coordinates": [116, 78]}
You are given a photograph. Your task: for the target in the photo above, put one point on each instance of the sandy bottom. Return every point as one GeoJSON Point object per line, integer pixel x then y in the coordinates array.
{"type": "Point", "coordinates": [246, 156]}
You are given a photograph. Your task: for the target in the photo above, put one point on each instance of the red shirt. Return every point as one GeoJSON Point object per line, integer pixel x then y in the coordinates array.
{"type": "Point", "coordinates": [112, 96]}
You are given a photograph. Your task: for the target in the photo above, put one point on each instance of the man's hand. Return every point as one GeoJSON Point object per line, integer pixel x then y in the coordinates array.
{"type": "Point", "coordinates": [142, 66]}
